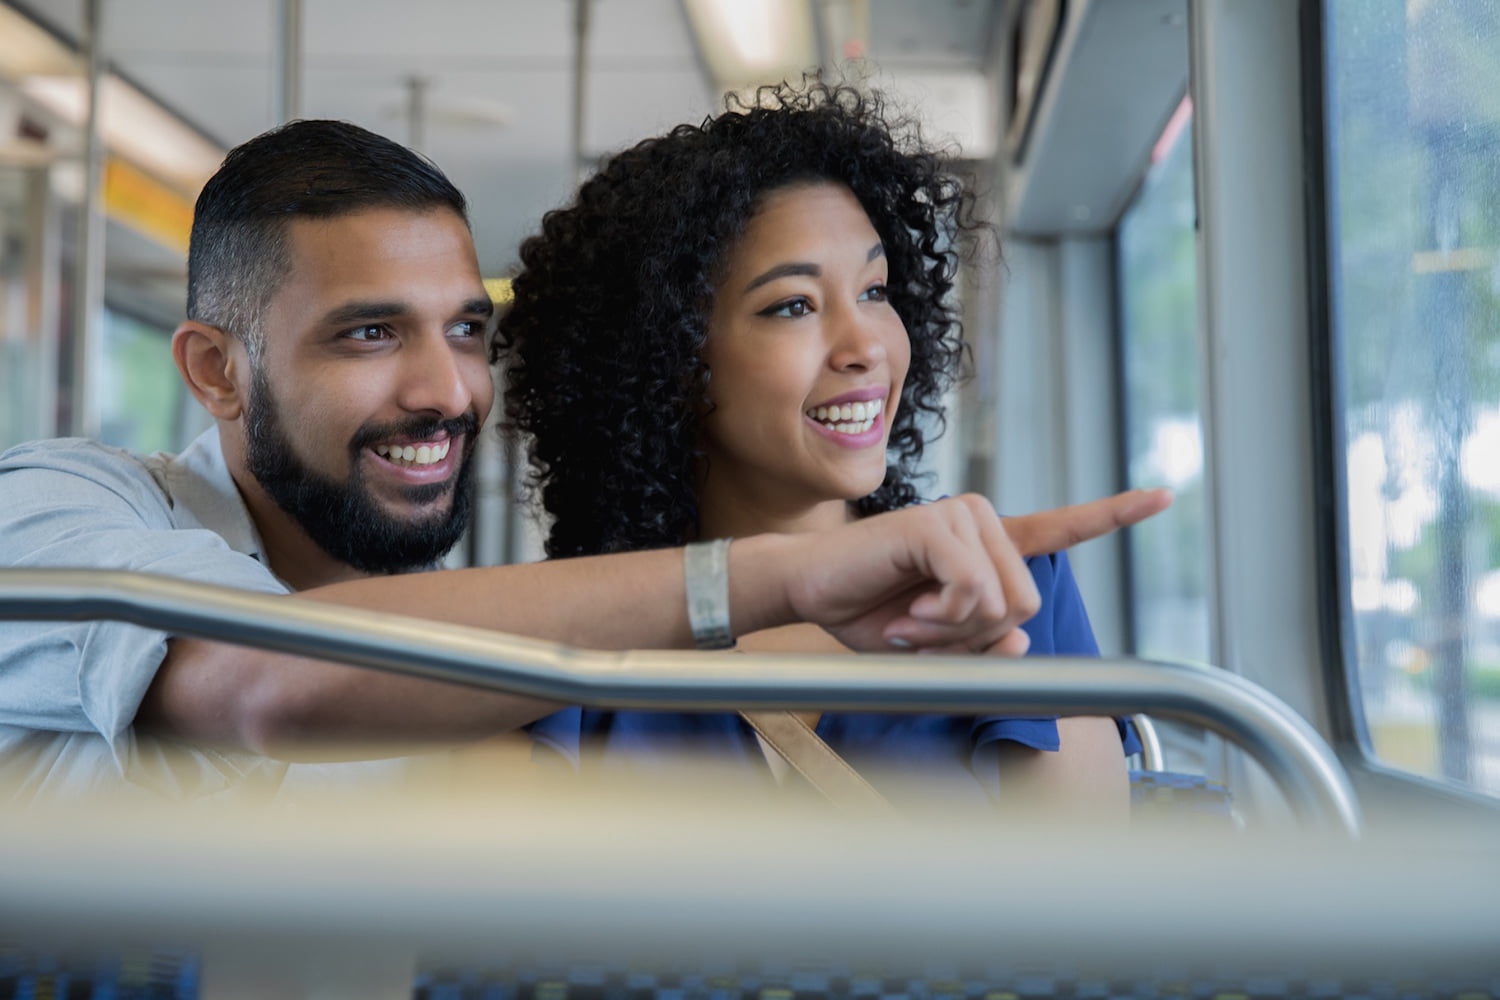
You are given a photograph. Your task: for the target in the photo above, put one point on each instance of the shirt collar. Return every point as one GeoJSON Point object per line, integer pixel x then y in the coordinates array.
{"type": "Point", "coordinates": [203, 491]}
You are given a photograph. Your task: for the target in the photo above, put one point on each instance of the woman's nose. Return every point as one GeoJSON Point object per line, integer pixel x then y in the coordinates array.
{"type": "Point", "coordinates": [856, 340]}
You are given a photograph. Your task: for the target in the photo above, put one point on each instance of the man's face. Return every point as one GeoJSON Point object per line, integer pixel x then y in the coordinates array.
{"type": "Point", "coordinates": [373, 381]}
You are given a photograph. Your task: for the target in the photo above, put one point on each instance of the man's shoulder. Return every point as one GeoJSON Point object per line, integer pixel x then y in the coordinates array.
{"type": "Point", "coordinates": [78, 481]}
{"type": "Point", "coordinates": [51, 452]}
{"type": "Point", "coordinates": [78, 466]}
{"type": "Point", "coordinates": [76, 502]}
{"type": "Point", "coordinates": [91, 459]}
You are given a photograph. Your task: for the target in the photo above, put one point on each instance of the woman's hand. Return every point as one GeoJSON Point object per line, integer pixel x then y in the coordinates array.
{"type": "Point", "coordinates": [949, 575]}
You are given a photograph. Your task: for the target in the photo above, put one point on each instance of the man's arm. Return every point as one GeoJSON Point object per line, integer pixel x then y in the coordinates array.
{"type": "Point", "coordinates": [297, 708]}
{"type": "Point", "coordinates": [946, 575]}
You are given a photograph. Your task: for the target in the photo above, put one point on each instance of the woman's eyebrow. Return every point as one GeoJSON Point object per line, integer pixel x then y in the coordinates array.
{"type": "Point", "coordinates": [800, 269]}
{"type": "Point", "coordinates": [787, 270]}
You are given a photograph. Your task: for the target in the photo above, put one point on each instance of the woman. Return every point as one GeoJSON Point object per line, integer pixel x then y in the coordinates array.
{"type": "Point", "coordinates": [738, 328]}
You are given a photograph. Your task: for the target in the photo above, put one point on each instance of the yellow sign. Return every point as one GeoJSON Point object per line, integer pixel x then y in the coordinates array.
{"type": "Point", "coordinates": [499, 289]}
{"type": "Point", "coordinates": [147, 205]}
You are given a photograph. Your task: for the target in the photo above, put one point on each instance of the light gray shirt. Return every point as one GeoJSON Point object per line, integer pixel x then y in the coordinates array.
{"type": "Point", "coordinates": [69, 691]}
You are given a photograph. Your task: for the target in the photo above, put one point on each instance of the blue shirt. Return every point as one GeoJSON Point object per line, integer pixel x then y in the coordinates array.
{"type": "Point", "coordinates": [955, 757]}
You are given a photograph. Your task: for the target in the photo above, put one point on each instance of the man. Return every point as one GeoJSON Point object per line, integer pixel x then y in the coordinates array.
{"type": "Point", "coordinates": [336, 334]}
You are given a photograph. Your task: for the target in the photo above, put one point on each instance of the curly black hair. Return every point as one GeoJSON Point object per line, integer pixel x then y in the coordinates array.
{"type": "Point", "coordinates": [602, 342]}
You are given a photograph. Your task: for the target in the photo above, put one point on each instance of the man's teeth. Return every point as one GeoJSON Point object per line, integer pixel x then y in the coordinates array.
{"type": "Point", "coordinates": [422, 454]}
{"type": "Point", "coordinates": [849, 418]}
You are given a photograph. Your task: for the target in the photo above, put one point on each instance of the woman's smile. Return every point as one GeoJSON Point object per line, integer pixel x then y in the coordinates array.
{"type": "Point", "coordinates": [854, 420]}
{"type": "Point", "coordinates": [855, 433]}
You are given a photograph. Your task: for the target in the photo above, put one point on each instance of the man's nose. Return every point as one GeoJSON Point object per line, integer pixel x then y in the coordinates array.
{"type": "Point", "coordinates": [432, 379]}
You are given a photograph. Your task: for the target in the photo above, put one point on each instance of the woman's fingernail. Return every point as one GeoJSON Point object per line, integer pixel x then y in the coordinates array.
{"type": "Point", "coordinates": [898, 642]}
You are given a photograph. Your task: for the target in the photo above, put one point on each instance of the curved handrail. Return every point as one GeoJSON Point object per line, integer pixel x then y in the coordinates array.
{"type": "Point", "coordinates": [1152, 757]}
{"type": "Point", "coordinates": [1291, 751]}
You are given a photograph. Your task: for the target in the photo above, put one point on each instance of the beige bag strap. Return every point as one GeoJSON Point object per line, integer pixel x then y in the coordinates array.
{"type": "Point", "coordinates": [817, 762]}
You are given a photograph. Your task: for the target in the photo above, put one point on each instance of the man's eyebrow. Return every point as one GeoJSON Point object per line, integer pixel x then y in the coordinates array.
{"type": "Point", "coordinates": [787, 270]}
{"type": "Point", "coordinates": [483, 306]}
{"type": "Point", "coordinates": [359, 312]}
{"type": "Point", "coordinates": [369, 311]}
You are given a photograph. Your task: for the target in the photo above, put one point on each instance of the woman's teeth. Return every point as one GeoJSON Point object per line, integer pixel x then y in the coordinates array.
{"type": "Point", "coordinates": [850, 418]}
{"type": "Point", "coordinates": [422, 454]}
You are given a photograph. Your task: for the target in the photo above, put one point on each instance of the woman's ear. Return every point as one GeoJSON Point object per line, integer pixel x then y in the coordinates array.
{"type": "Point", "coordinates": [214, 365]}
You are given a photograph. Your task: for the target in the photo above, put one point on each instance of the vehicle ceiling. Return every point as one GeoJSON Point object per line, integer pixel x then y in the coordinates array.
{"type": "Point", "coordinates": [211, 62]}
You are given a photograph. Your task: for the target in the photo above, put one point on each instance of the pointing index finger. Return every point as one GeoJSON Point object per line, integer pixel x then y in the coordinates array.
{"type": "Point", "coordinates": [1065, 527]}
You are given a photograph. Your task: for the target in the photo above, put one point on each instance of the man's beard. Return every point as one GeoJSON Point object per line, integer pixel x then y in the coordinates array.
{"type": "Point", "coordinates": [342, 517]}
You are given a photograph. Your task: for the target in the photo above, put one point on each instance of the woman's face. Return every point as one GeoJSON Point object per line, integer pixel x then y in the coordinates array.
{"type": "Point", "coordinates": [807, 356]}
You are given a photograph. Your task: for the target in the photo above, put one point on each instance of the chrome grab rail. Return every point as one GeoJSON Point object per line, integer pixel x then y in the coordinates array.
{"type": "Point", "coordinates": [1302, 764]}
{"type": "Point", "coordinates": [1152, 757]}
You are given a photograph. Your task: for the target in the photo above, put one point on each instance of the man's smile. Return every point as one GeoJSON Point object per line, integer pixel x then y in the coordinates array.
{"type": "Point", "coordinates": [419, 461]}
{"type": "Point", "coordinates": [420, 454]}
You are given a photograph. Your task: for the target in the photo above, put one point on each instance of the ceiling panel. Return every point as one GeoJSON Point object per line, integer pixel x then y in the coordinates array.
{"type": "Point", "coordinates": [1105, 102]}
{"type": "Point", "coordinates": [211, 61]}
{"type": "Point", "coordinates": [932, 33]}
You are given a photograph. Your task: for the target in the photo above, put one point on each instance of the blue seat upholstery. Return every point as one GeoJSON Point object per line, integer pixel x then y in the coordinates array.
{"type": "Point", "coordinates": [1169, 796]}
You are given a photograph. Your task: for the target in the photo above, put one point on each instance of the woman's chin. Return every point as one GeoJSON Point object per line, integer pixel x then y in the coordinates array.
{"type": "Point", "coordinates": [860, 490]}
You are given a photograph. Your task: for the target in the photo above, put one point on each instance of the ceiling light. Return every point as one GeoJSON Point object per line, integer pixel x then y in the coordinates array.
{"type": "Point", "coordinates": [27, 50]}
{"type": "Point", "coordinates": [750, 42]}
{"type": "Point", "coordinates": [132, 125]}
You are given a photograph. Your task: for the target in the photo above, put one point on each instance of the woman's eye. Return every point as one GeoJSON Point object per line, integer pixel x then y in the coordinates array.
{"type": "Point", "coordinates": [875, 293]}
{"type": "Point", "coordinates": [790, 309]}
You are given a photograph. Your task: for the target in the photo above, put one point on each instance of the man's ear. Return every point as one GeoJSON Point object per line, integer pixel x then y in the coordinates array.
{"type": "Point", "coordinates": [215, 367]}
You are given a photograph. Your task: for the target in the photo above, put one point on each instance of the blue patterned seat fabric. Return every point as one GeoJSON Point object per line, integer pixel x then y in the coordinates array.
{"type": "Point", "coordinates": [1189, 799]}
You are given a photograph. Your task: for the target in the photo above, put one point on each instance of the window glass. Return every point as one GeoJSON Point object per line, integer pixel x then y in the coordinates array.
{"type": "Point", "coordinates": [1413, 92]}
{"type": "Point", "coordinates": [140, 393]}
{"type": "Point", "coordinates": [1158, 278]}
{"type": "Point", "coordinates": [23, 359]}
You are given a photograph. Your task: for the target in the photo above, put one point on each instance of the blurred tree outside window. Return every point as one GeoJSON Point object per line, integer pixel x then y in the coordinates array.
{"type": "Point", "coordinates": [1158, 287]}
{"type": "Point", "coordinates": [141, 393]}
{"type": "Point", "coordinates": [1413, 91]}
{"type": "Point", "coordinates": [22, 351]}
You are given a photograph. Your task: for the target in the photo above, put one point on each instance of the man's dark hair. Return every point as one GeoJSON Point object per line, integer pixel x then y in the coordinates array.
{"type": "Point", "coordinates": [303, 169]}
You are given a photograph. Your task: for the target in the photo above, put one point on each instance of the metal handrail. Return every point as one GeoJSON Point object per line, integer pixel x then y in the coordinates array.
{"type": "Point", "coordinates": [1309, 774]}
{"type": "Point", "coordinates": [1152, 757]}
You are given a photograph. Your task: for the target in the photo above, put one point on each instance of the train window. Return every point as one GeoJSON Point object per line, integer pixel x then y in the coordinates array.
{"type": "Point", "coordinates": [1162, 399]}
{"type": "Point", "coordinates": [1414, 226]}
{"type": "Point", "coordinates": [139, 391]}
{"type": "Point", "coordinates": [24, 375]}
